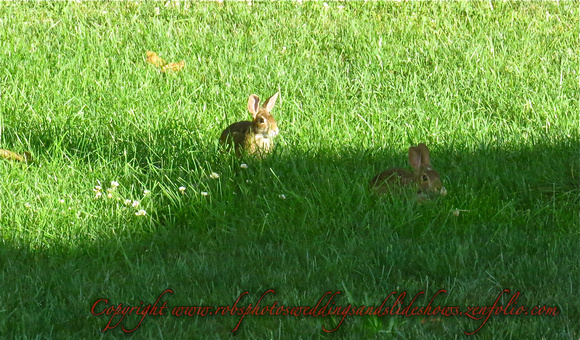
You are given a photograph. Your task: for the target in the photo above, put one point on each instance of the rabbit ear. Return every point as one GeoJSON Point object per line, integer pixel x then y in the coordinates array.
{"type": "Point", "coordinates": [253, 104]}
{"type": "Point", "coordinates": [424, 154]}
{"type": "Point", "coordinates": [415, 158]}
{"type": "Point", "coordinates": [269, 103]}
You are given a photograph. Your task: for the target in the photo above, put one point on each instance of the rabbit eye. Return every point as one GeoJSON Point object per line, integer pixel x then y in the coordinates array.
{"type": "Point", "coordinates": [424, 178]}
{"type": "Point", "coordinates": [262, 120]}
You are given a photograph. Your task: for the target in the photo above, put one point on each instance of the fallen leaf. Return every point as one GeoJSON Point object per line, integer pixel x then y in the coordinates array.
{"type": "Point", "coordinates": [154, 59]}
{"type": "Point", "coordinates": [13, 156]}
{"type": "Point", "coordinates": [173, 67]}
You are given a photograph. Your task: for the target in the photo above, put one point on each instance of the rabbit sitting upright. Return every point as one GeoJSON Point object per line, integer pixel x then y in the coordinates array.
{"type": "Point", "coordinates": [424, 177]}
{"type": "Point", "coordinates": [255, 137]}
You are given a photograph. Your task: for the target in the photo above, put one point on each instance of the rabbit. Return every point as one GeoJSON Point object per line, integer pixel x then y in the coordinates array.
{"type": "Point", "coordinates": [255, 137]}
{"type": "Point", "coordinates": [426, 179]}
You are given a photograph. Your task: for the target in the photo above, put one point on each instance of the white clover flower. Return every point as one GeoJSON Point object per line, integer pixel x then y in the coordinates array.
{"type": "Point", "coordinates": [244, 166]}
{"type": "Point", "coordinates": [97, 188]}
{"type": "Point", "coordinates": [204, 193]}
{"type": "Point", "coordinates": [146, 192]}
{"type": "Point", "coordinates": [282, 196]}
{"type": "Point", "coordinates": [109, 195]}
{"type": "Point", "coordinates": [61, 201]}
{"type": "Point", "coordinates": [114, 184]}
{"type": "Point", "coordinates": [214, 175]}
{"type": "Point", "coordinates": [156, 10]}
{"type": "Point", "coordinates": [135, 204]}
{"type": "Point", "coordinates": [127, 202]}
{"type": "Point", "coordinates": [325, 4]}
{"type": "Point", "coordinates": [141, 213]}
{"type": "Point", "coordinates": [98, 194]}
{"type": "Point", "coordinates": [182, 189]}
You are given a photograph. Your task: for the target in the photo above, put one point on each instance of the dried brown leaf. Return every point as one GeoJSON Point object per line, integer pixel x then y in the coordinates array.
{"type": "Point", "coordinates": [173, 67]}
{"type": "Point", "coordinates": [13, 156]}
{"type": "Point", "coordinates": [155, 60]}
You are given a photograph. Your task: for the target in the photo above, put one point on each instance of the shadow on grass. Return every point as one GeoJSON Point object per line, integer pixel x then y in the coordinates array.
{"type": "Point", "coordinates": [518, 231]}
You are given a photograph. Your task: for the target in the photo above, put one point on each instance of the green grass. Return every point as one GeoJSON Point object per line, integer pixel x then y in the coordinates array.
{"type": "Point", "coordinates": [490, 87]}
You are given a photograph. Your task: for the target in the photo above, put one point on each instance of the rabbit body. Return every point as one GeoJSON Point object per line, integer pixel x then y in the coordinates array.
{"type": "Point", "coordinates": [255, 137]}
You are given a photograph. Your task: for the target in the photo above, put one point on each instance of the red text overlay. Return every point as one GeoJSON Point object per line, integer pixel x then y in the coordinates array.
{"type": "Point", "coordinates": [394, 304]}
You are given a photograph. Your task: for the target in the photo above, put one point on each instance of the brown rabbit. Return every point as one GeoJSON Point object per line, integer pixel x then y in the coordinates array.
{"type": "Point", "coordinates": [255, 137]}
{"type": "Point", "coordinates": [424, 177]}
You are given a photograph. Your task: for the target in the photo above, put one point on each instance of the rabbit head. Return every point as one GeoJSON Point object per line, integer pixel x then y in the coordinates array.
{"type": "Point", "coordinates": [427, 179]}
{"type": "Point", "coordinates": [263, 122]}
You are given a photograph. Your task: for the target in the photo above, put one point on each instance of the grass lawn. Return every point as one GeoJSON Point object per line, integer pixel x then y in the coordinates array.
{"type": "Point", "coordinates": [491, 87]}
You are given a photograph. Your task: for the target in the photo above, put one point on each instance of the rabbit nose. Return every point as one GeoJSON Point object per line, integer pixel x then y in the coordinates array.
{"type": "Point", "coordinates": [274, 131]}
